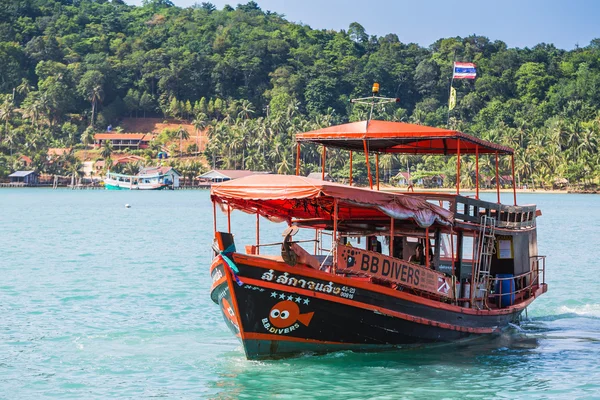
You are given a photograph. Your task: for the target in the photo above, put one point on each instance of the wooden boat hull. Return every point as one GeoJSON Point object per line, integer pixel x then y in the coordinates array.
{"type": "Point", "coordinates": [330, 313]}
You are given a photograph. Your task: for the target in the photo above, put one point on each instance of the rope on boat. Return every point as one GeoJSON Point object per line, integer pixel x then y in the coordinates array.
{"type": "Point", "coordinates": [225, 255]}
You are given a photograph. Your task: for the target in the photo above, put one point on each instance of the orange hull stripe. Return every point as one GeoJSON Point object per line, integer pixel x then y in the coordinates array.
{"type": "Point", "coordinates": [218, 283]}
{"type": "Point", "coordinates": [357, 304]}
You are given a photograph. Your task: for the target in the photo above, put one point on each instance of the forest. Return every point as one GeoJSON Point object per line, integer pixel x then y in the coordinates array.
{"type": "Point", "coordinates": [252, 79]}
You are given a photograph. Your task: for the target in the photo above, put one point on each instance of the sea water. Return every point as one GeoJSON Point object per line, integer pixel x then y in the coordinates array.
{"type": "Point", "coordinates": [101, 301]}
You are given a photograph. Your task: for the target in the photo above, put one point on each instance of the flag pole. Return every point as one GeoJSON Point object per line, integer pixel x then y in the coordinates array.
{"type": "Point", "coordinates": [450, 89]}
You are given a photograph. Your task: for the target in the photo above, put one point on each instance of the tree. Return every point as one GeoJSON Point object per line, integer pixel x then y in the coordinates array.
{"type": "Point", "coordinates": [147, 103]}
{"type": "Point", "coordinates": [6, 110]}
{"type": "Point", "coordinates": [75, 169]}
{"type": "Point", "coordinates": [132, 101]}
{"type": "Point", "coordinates": [183, 135]}
{"type": "Point", "coordinates": [106, 150]}
{"type": "Point", "coordinates": [200, 123]}
{"type": "Point", "coordinates": [357, 33]}
{"type": "Point", "coordinates": [91, 88]}
{"type": "Point", "coordinates": [87, 138]}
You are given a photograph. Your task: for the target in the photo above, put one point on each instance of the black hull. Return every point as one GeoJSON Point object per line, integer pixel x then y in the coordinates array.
{"type": "Point", "coordinates": [330, 313]}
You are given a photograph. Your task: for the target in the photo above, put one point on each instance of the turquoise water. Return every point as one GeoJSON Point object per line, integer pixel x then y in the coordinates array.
{"type": "Point", "coordinates": [100, 301]}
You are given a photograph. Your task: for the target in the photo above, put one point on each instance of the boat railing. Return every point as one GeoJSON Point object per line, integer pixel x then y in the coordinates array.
{"type": "Point", "coordinates": [520, 287]}
{"type": "Point", "coordinates": [538, 263]}
{"type": "Point", "coordinates": [280, 243]}
{"type": "Point", "coordinates": [254, 249]}
{"type": "Point", "coordinates": [468, 209]}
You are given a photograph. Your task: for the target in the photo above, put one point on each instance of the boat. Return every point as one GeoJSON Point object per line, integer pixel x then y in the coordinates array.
{"type": "Point", "coordinates": [152, 178]}
{"type": "Point", "coordinates": [362, 269]}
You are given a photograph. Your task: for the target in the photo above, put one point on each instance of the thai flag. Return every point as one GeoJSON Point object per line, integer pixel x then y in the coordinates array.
{"type": "Point", "coordinates": [464, 71]}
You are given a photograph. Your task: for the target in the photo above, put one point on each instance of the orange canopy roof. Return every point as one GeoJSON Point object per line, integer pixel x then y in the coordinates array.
{"type": "Point", "coordinates": [287, 197]}
{"type": "Point", "coordinates": [400, 137]}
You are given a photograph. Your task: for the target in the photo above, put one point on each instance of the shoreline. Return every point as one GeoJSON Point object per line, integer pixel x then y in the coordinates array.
{"type": "Point", "coordinates": [453, 190]}
{"type": "Point", "coordinates": [386, 188]}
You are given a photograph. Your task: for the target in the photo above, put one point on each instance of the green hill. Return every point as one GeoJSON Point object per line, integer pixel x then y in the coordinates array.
{"type": "Point", "coordinates": [255, 79]}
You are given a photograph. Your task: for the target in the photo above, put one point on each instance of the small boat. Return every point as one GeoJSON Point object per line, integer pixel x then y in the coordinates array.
{"type": "Point", "coordinates": [366, 270]}
{"type": "Point", "coordinates": [154, 178]}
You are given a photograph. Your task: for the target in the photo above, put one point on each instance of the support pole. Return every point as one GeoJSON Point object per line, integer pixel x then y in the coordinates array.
{"type": "Point", "coordinates": [392, 237]}
{"type": "Point", "coordinates": [427, 247]}
{"type": "Point", "coordinates": [228, 218]}
{"type": "Point", "coordinates": [458, 166]}
{"type": "Point", "coordinates": [514, 184]}
{"type": "Point", "coordinates": [297, 158]}
{"type": "Point", "coordinates": [257, 233]}
{"type": "Point", "coordinates": [497, 179]}
{"type": "Point", "coordinates": [335, 233]}
{"type": "Point", "coordinates": [350, 168]}
{"type": "Point", "coordinates": [377, 169]}
{"type": "Point", "coordinates": [477, 172]}
{"type": "Point", "coordinates": [323, 163]}
{"type": "Point", "coordinates": [453, 256]}
{"type": "Point", "coordinates": [368, 165]}
{"type": "Point", "coordinates": [214, 217]}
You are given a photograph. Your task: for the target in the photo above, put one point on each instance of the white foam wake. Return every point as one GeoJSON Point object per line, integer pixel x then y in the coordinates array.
{"type": "Point", "coordinates": [592, 310]}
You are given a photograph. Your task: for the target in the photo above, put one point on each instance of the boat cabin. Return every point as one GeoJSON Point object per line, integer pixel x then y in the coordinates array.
{"type": "Point", "coordinates": [385, 237]}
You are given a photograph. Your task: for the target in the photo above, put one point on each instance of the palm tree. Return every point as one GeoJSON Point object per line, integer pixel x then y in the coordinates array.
{"type": "Point", "coordinates": [284, 166]}
{"type": "Point", "coordinates": [183, 135]}
{"type": "Point", "coordinates": [24, 87]}
{"type": "Point", "coordinates": [31, 109]}
{"type": "Point", "coordinates": [75, 170]}
{"type": "Point", "coordinates": [90, 86]}
{"type": "Point", "coordinates": [132, 168]}
{"type": "Point", "coordinates": [107, 149]}
{"type": "Point", "coordinates": [200, 123]}
{"type": "Point", "coordinates": [87, 138]}
{"type": "Point", "coordinates": [195, 168]}
{"type": "Point", "coordinates": [246, 109]}
{"type": "Point", "coordinates": [387, 163]}
{"type": "Point", "coordinates": [6, 110]}
{"type": "Point", "coordinates": [11, 139]}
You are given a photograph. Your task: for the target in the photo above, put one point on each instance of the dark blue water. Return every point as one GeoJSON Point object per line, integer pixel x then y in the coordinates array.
{"type": "Point", "coordinates": [99, 301]}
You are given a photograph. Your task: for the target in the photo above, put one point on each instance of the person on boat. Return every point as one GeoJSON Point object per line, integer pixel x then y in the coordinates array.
{"type": "Point", "coordinates": [419, 256]}
{"type": "Point", "coordinates": [374, 244]}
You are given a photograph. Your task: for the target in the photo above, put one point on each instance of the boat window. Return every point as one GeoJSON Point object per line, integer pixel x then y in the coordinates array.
{"type": "Point", "coordinates": [448, 250]}
{"type": "Point", "coordinates": [447, 246]}
{"type": "Point", "coordinates": [468, 243]}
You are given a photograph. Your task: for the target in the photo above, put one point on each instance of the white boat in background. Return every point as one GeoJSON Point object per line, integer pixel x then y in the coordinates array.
{"type": "Point", "coordinates": [151, 178]}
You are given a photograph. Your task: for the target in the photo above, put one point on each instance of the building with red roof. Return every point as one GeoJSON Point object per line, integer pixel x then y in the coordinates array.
{"type": "Point", "coordinates": [122, 141]}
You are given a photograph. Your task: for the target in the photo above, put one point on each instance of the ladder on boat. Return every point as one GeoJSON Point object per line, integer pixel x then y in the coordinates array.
{"type": "Point", "coordinates": [485, 250]}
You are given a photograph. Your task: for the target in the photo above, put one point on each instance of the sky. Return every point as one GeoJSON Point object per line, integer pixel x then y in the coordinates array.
{"type": "Point", "coordinates": [518, 23]}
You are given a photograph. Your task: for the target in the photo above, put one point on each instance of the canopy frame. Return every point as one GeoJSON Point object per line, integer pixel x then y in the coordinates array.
{"type": "Point", "coordinates": [385, 137]}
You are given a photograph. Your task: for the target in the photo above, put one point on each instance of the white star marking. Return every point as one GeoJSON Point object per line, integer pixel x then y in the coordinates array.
{"type": "Point", "coordinates": [290, 298]}
{"type": "Point", "coordinates": [298, 299]}
{"type": "Point", "coordinates": [274, 294]}
{"type": "Point", "coordinates": [306, 301]}
{"type": "Point", "coordinates": [282, 296]}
